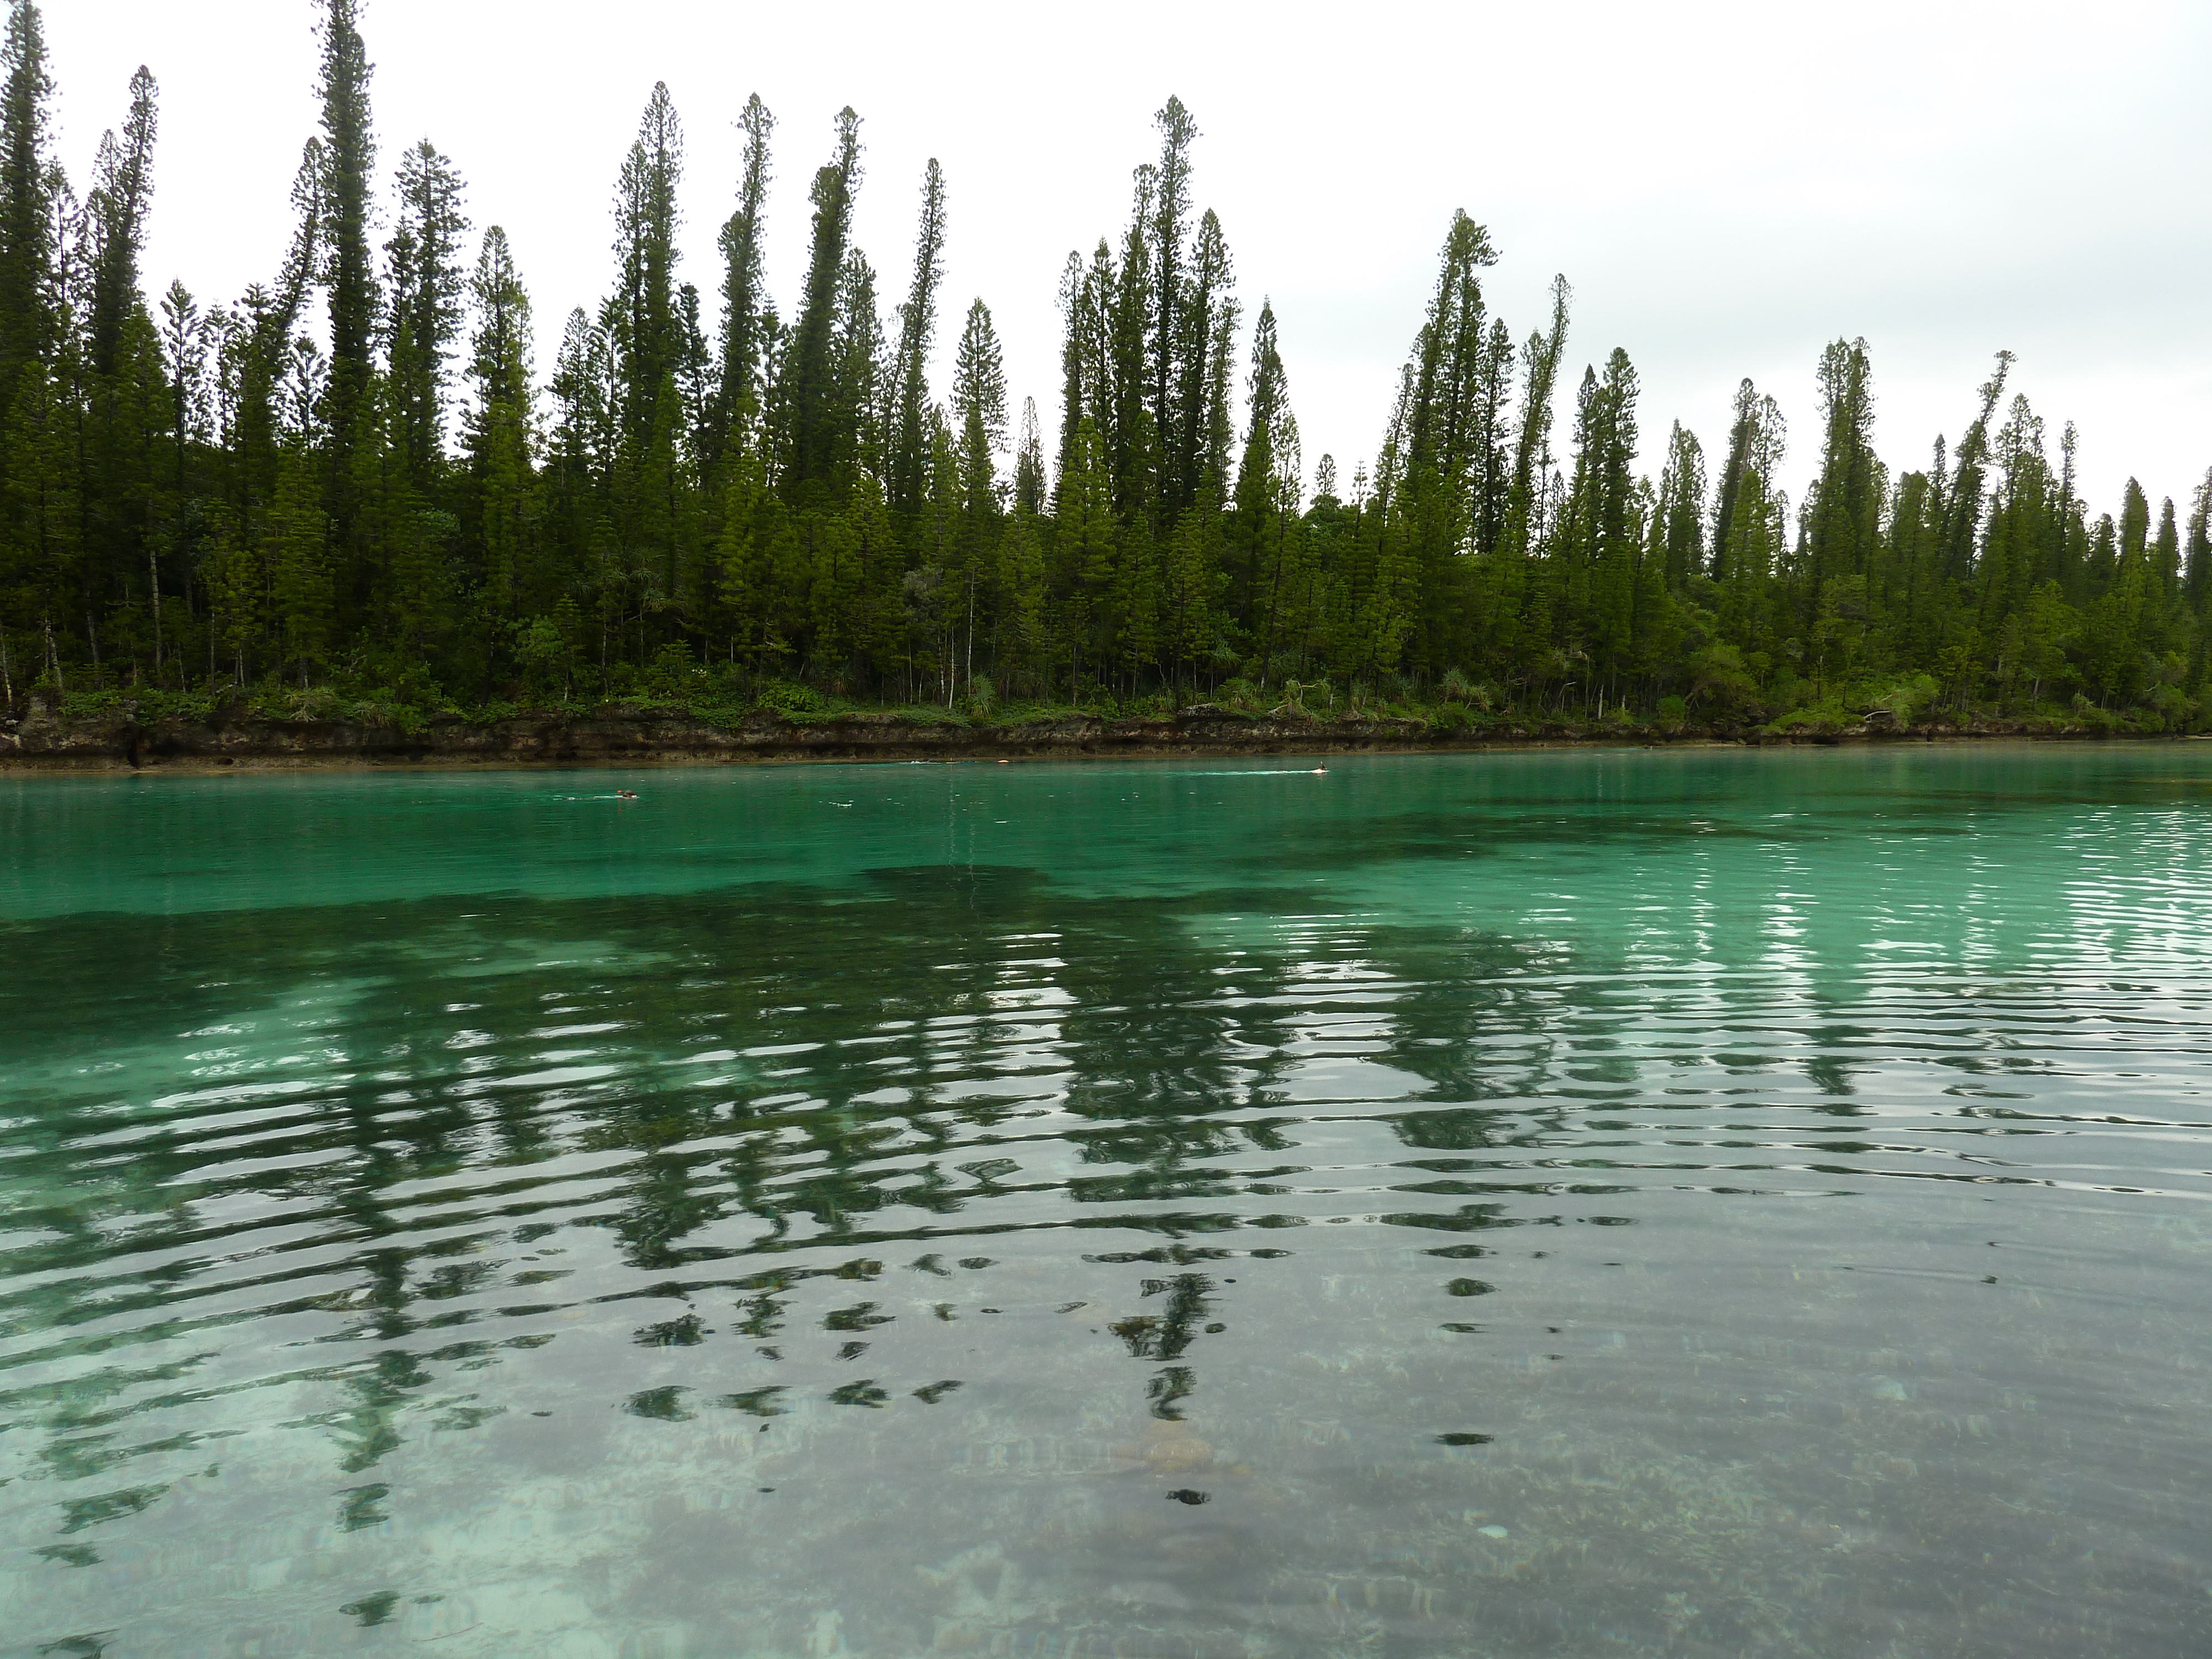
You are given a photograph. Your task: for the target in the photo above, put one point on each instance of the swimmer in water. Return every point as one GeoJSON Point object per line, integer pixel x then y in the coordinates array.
{"type": "Point", "coordinates": [625, 794]}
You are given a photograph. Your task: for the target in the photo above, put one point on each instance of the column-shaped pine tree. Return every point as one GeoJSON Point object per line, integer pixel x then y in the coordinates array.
{"type": "Point", "coordinates": [115, 215]}
{"type": "Point", "coordinates": [1613, 511]}
{"type": "Point", "coordinates": [427, 285]}
{"type": "Point", "coordinates": [1200, 423]}
{"type": "Point", "coordinates": [744, 299]}
{"type": "Point", "coordinates": [1189, 577]}
{"type": "Point", "coordinates": [116, 482]}
{"type": "Point", "coordinates": [1846, 504]}
{"type": "Point", "coordinates": [2196, 571]}
{"type": "Point", "coordinates": [1131, 429]}
{"type": "Point", "coordinates": [1966, 493]}
{"type": "Point", "coordinates": [862, 368]}
{"type": "Point", "coordinates": [1681, 508]}
{"type": "Point", "coordinates": [1083, 551]}
{"type": "Point", "coordinates": [1018, 634]}
{"type": "Point", "coordinates": [1502, 596]}
{"type": "Point", "coordinates": [349, 164]}
{"type": "Point", "coordinates": [1743, 431]}
{"type": "Point", "coordinates": [1168, 346]}
{"type": "Point", "coordinates": [499, 439]}
{"type": "Point", "coordinates": [27, 250]}
{"type": "Point", "coordinates": [978, 405]}
{"type": "Point", "coordinates": [979, 398]}
{"type": "Point", "coordinates": [1256, 549]}
{"type": "Point", "coordinates": [909, 440]}
{"type": "Point", "coordinates": [644, 331]}
{"type": "Point", "coordinates": [811, 373]}
{"type": "Point", "coordinates": [2197, 582]}
{"type": "Point", "coordinates": [1028, 462]}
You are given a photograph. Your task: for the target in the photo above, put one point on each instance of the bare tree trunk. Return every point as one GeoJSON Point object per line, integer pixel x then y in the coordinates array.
{"type": "Point", "coordinates": [153, 589]}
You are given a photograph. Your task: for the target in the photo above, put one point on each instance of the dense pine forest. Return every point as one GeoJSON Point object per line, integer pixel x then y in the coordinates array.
{"type": "Point", "coordinates": [345, 485]}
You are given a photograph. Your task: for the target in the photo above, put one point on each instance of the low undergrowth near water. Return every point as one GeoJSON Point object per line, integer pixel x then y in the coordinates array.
{"type": "Point", "coordinates": [724, 699]}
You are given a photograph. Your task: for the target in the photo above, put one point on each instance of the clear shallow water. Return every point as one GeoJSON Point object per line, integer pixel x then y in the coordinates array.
{"type": "Point", "coordinates": [1695, 1203]}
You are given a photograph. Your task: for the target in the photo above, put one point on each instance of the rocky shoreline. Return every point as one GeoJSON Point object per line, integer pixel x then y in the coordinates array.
{"type": "Point", "coordinates": [47, 739]}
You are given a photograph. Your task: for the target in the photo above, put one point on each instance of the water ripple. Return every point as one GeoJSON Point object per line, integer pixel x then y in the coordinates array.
{"type": "Point", "coordinates": [1706, 1198]}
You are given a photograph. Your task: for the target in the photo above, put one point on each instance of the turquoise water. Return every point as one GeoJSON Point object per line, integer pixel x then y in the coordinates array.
{"type": "Point", "coordinates": [1705, 1202]}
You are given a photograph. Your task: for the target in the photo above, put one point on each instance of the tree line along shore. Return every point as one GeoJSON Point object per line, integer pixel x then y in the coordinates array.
{"type": "Point", "coordinates": [108, 732]}
{"type": "Point", "coordinates": [344, 498]}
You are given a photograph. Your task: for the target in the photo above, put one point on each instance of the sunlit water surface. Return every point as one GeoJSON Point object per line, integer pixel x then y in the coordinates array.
{"type": "Point", "coordinates": [1676, 1203]}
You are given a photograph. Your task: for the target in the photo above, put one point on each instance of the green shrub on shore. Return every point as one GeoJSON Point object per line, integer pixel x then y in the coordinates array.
{"type": "Point", "coordinates": [720, 701]}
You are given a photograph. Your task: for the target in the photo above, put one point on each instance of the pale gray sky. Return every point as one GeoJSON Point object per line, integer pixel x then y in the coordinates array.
{"type": "Point", "coordinates": [1727, 187]}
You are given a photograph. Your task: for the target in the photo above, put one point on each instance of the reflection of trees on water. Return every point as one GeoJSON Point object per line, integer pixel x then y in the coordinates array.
{"type": "Point", "coordinates": [874, 1057]}
{"type": "Point", "coordinates": [1166, 1333]}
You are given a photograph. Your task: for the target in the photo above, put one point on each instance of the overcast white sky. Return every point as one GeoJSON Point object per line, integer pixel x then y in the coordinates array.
{"type": "Point", "coordinates": [1727, 187]}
